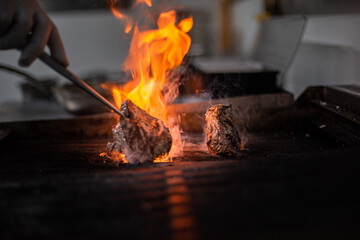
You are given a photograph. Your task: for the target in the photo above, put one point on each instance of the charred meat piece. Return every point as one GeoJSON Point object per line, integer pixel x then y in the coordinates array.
{"type": "Point", "coordinates": [222, 137]}
{"type": "Point", "coordinates": [141, 137]}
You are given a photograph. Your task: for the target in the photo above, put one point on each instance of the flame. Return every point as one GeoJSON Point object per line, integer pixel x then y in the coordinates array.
{"type": "Point", "coordinates": [147, 2]}
{"type": "Point", "coordinates": [186, 24]}
{"type": "Point", "coordinates": [152, 54]}
{"type": "Point", "coordinates": [113, 157]}
{"type": "Point", "coordinates": [127, 20]}
{"type": "Point", "coordinates": [162, 159]}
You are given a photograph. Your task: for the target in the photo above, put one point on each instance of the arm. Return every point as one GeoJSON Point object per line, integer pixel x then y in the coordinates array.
{"type": "Point", "coordinates": [20, 17]}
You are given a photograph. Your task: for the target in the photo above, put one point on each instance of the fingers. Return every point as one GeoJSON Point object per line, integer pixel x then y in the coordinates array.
{"type": "Point", "coordinates": [44, 33]}
{"type": "Point", "coordinates": [15, 37]}
{"type": "Point", "coordinates": [40, 36]}
{"type": "Point", "coordinates": [17, 19]}
{"type": "Point", "coordinates": [6, 16]}
{"type": "Point", "coordinates": [57, 48]}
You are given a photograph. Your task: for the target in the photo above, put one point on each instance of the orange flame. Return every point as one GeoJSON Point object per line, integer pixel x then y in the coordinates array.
{"type": "Point", "coordinates": [114, 157]}
{"type": "Point", "coordinates": [152, 54]}
{"type": "Point", "coordinates": [128, 21]}
{"type": "Point", "coordinates": [147, 2]}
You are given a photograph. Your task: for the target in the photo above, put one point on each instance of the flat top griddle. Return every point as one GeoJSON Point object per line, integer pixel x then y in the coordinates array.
{"type": "Point", "coordinates": [296, 182]}
{"type": "Point", "coordinates": [283, 184]}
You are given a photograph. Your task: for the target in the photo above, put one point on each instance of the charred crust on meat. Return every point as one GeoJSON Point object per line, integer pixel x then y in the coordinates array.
{"type": "Point", "coordinates": [140, 136]}
{"type": "Point", "coordinates": [222, 136]}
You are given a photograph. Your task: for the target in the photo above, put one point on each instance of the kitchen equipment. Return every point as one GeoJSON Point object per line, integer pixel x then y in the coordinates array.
{"type": "Point", "coordinates": [4, 133]}
{"type": "Point", "coordinates": [298, 176]}
{"type": "Point", "coordinates": [47, 59]}
{"type": "Point", "coordinates": [34, 89]}
{"type": "Point", "coordinates": [264, 70]}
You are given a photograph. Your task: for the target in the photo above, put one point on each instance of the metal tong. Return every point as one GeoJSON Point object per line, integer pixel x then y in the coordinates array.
{"type": "Point", "coordinates": [55, 65]}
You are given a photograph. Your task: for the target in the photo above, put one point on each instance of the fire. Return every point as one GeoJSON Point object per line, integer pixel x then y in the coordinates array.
{"type": "Point", "coordinates": [127, 20]}
{"type": "Point", "coordinates": [114, 156]}
{"type": "Point", "coordinates": [147, 2]}
{"type": "Point", "coordinates": [162, 159]}
{"type": "Point", "coordinates": [152, 54]}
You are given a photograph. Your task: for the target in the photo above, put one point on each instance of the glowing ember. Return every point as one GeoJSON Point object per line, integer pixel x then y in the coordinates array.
{"type": "Point", "coordinates": [114, 157]}
{"type": "Point", "coordinates": [164, 158]}
{"type": "Point", "coordinates": [153, 53]}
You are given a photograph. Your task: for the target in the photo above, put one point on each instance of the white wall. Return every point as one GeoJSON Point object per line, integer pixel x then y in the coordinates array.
{"type": "Point", "coordinates": [245, 26]}
{"type": "Point", "coordinates": [93, 41]}
{"type": "Point", "coordinates": [330, 53]}
{"type": "Point", "coordinates": [211, 24]}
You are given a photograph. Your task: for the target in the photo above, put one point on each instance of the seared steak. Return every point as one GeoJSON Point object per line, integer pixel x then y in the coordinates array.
{"type": "Point", "coordinates": [222, 137]}
{"type": "Point", "coordinates": [141, 137]}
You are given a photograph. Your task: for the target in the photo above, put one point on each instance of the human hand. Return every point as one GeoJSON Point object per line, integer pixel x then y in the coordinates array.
{"type": "Point", "coordinates": [18, 18]}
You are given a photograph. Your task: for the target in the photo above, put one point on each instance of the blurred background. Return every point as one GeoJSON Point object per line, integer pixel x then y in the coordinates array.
{"type": "Point", "coordinates": [95, 42]}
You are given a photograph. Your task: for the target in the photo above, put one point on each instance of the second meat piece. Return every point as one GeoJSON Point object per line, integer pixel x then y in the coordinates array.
{"type": "Point", "coordinates": [222, 136]}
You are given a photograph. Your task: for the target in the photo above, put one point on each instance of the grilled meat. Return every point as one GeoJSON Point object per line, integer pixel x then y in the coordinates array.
{"type": "Point", "coordinates": [222, 136]}
{"type": "Point", "coordinates": [141, 137]}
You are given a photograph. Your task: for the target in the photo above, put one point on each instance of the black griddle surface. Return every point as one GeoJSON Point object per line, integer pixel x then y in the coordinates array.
{"type": "Point", "coordinates": [286, 184]}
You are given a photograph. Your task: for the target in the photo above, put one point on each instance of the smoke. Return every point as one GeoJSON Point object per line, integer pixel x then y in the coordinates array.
{"type": "Point", "coordinates": [171, 89]}
{"type": "Point", "coordinates": [222, 94]}
{"type": "Point", "coordinates": [241, 118]}
{"type": "Point", "coordinates": [178, 144]}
